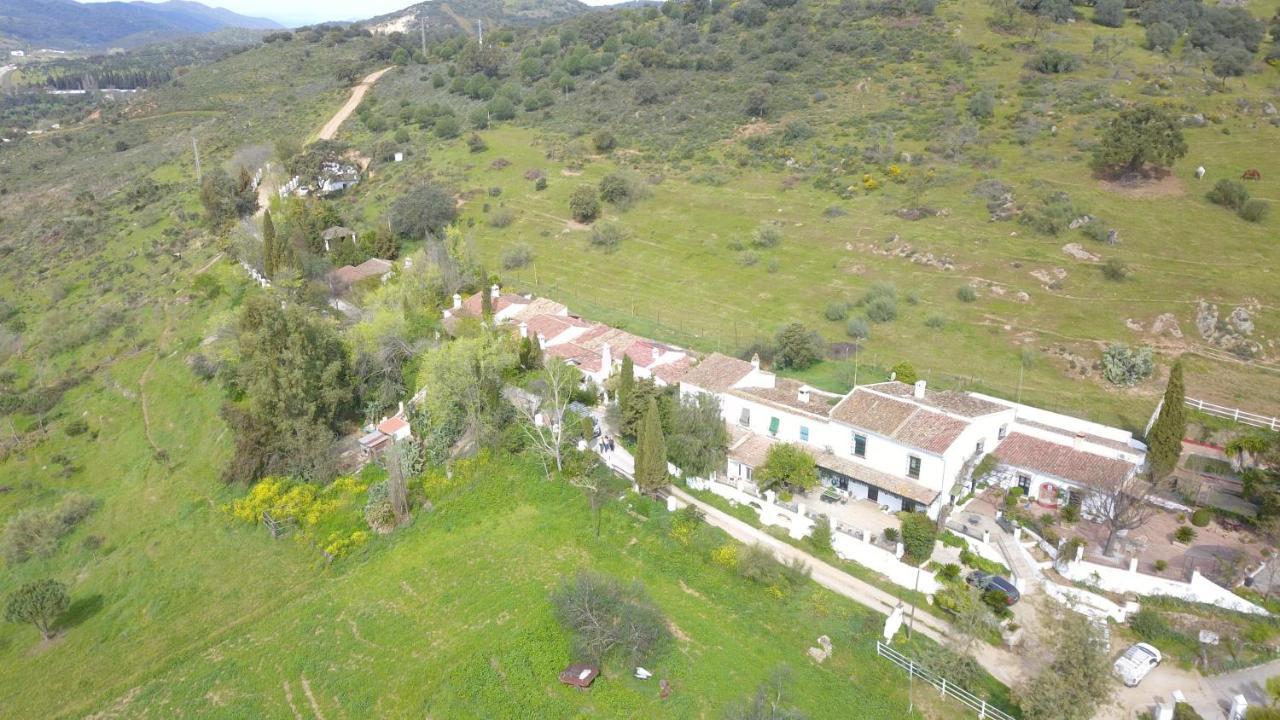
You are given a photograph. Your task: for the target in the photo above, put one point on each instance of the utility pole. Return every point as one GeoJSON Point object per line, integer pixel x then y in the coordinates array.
{"type": "Point", "coordinates": [196, 150]}
{"type": "Point", "coordinates": [480, 29]}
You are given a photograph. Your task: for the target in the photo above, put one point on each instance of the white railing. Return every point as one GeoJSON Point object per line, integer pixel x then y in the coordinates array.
{"type": "Point", "coordinates": [1236, 414]}
{"type": "Point", "coordinates": [966, 698]}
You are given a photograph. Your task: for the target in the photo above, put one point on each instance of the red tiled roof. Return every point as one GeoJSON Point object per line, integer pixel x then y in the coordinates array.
{"type": "Point", "coordinates": [717, 373]}
{"type": "Point", "coordinates": [951, 401]}
{"type": "Point", "coordinates": [1061, 461]}
{"type": "Point", "coordinates": [584, 358]}
{"type": "Point", "coordinates": [786, 393]}
{"type": "Point", "coordinates": [391, 425]}
{"type": "Point", "coordinates": [551, 326]}
{"type": "Point", "coordinates": [474, 305]}
{"type": "Point", "coordinates": [902, 421]}
{"type": "Point", "coordinates": [672, 372]}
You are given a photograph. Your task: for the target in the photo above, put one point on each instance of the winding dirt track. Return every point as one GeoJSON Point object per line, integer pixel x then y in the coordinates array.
{"type": "Point", "coordinates": [357, 94]}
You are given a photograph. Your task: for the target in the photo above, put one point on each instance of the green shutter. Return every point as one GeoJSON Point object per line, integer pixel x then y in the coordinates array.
{"type": "Point", "coordinates": [773, 426]}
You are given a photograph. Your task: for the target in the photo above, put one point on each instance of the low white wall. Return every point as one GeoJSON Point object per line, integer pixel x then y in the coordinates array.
{"type": "Point", "coordinates": [1084, 602]}
{"type": "Point", "coordinates": [1200, 589]}
{"type": "Point", "coordinates": [846, 546]}
{"type": "Point", "coordinates": [864, 553]}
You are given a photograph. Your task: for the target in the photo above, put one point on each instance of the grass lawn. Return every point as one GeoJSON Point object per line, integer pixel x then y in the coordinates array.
{"type": "Point", "coordinates": [447, 618]}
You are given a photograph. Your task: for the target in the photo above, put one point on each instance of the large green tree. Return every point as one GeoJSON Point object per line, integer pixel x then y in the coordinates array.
{"type": "Point", "coordinates": [1139, 136]}
{"type": "Point", "coordinates": [463, 381]}
{"type": "Point", "coordinates": [788, 465]}
{"type": "Point", "coordinates": [1164, 442]}
{"type": "Point", "coordinates": [1077, 681]}
{"type": "Point", "coordinates": [295, 372]}
{"type": "Point", "coordinates": [651, 451]}
{"type": "Point", "coordinates": [699, 439]}
{"type": "Point", "coordinates": [423, 212]}
{"type": "Point", "coordinates": [38, 603]}
{"type": "Point", "coordinates": [797, 347]}
{"type": "Point", "coordinates": [626, 383]}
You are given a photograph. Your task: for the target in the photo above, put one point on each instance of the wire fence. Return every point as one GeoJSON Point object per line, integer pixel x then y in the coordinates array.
{"type": "Point", "coordinates": [948, 689]}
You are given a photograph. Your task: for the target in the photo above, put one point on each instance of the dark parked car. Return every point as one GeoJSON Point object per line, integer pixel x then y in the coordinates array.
{"type": "Point", "coordinates": [985, 581]}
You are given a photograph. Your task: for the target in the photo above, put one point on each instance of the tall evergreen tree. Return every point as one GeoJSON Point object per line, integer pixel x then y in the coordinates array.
{"type": "Point", "coordinates": [270, 255]}
{"type": "Point", "coordinates": [1164, 442]}
{"type": "Point", "coordinates": [651, 452]}
{"type": "Point", "coordinates": [626, 383]}
{"type": "Point", "coordinates": [486, 303]}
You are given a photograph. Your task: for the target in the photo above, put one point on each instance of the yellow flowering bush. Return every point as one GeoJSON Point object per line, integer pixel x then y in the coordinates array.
{"type": "Point", "coordinates": [339, 545]}
{"type": "Point", "coordinates": [314, 511]}
{"type": "Point", "coordinates": [895, 173]}
{"type": "Point", "coordinates": [869, 183]}
{"type": "Point", "coordinates": [725, 555]}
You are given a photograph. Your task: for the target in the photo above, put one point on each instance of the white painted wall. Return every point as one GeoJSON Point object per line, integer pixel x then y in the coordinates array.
{"type": "Point", "coordinates": [1199, 589]}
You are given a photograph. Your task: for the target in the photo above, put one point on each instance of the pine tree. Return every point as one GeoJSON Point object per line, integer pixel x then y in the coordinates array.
{"type": "Point", "coordinates": [651, 452]}
{"type": "Point", "coordinates": [1164, 442]}
{"type": "Point", "coordinates": [626, 383]}
{"type": "Point", "coordinates": [269, 252]}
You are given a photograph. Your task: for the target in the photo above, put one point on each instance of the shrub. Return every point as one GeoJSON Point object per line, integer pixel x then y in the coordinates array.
{"type": "Point", "coordinates": [882, 309]}
{"type": "Point", "coordinates": [858, 328]}
{"type": "Point", "coordinates": [79, 426]}
{"type": "Point", "coordinates": [949, 572]}
{"type": "Point", "coordinates": [1070, 514]}
{"type": "Point", "coordinates": [1201, 517]}
{"type": "Point", "coordinates": [797, 347]}
{"type": "Point", "coordinates": [1126, 366]}
{"type": "Point", "coordinates": [1184, 534]}
{"type": "Point", "coordinates": [1053, 61]}
{"type": "Point", "coordinates": [766, 236]}
{"type": "Point", "coordinates": [966, 294]}
{"type": "Point", "coordinates": [1255, 210]}
{"type": "Point", "coordinates": [1149, 625]}
{"type": "Point", "coordinates": [1161, 565]}
{"type": "Point", "coordinates": [1012, 497]}
{"type": "Point", "coordinates": [1109, 13]}
{"type": "Point", "coordinates": [918, 536]}
{"type": "Point", "coordinates": [516, 256]}
{"type": "Point", "coordinates": [540, 184]}
{"type": "Point", "coordinates": [837, 311]}
{"type": "Point", "coordinates": [1115, 270]}
{"type": "Point", "coordinates": [583, 204]}
{"type": "Point", "coordinates": [607, 617]}
{"type": "Point", "coordinates": [614, 188]}
{"type": "Point", "coordinates": [608, 236]}
{"type": "Point", "coordinates": [726, 555]}
{"type": "Point", "coordinates": [476, 144]}
{"type": "Point", "coordinates": [820, 538]}
{"type": "Point", "coordinates": [891, 535]}
{"type": "Point", "coordinates": [502, 217]}
{"type": "Point", "coordinates": [1229, 194]}
{"type": "Point", "coordinates": [604, 141]}
{"type": "Point", "coordinates": [935, 322]}
{"type": "Point", "coordinates": [905, 372]}
{"type": "Point", "coordinates": [35, 533]}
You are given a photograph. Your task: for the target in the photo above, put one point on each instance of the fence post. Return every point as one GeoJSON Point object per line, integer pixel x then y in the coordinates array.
{"type": "Point", "coordinates": [982, 713]}
{"type": "Point", "coordinates": [944, 687]}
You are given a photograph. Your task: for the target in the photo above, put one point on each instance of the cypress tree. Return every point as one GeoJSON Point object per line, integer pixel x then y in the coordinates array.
{"type": "Point", "coordinates": [626, 383]}
{"type": "Point", "coordinates": [486, 302]}
{"type": "Point", "coordinates": [651, 451]}
{"type": "Point", "coordinates": [269, 252]}
{"type": "Point", "coordinates": [1164, 442]}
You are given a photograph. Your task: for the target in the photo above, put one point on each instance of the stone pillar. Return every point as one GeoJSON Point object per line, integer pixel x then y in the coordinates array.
{"type": "Point", "coordinates": [1017, 534]}
{"type": "Point", "coordinates": [1079, 553]}
{"type": "Point", "coordinates": [986, 536]}
{"type": "Point", "coordinates": [770, 496]}
{"type": "Point", "coordinates": [1133, 565]}
{"type": "Point", "coordinates": [671, 503]}
{"type": "Point", "coordinates": [898, 551]}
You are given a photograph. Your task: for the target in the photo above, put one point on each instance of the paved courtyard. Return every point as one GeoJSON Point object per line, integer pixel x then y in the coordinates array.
{"type": "Point", "coordinates": [854, 513]}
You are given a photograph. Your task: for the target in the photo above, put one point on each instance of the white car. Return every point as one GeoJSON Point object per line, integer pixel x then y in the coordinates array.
{"type": "Point", "coordinates": [1136, 663]}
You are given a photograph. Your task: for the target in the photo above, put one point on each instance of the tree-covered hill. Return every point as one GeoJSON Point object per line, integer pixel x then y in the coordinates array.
{"type": "Point", "coordinates": [67, 24]}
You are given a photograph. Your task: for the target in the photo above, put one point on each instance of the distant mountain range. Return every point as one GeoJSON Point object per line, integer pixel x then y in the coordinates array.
{"type": "Point", "coordinates": [66, 24]}
{"type": "Point", "coordinates": [463, 14]}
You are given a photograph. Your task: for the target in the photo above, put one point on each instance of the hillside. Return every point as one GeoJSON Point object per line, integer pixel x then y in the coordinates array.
{"type": "Point", "coordinates": [67, 24]}
{"type": "Point", "coordinates": [437, 15]}
{"type": "Point", "coordinates": [885, 145]}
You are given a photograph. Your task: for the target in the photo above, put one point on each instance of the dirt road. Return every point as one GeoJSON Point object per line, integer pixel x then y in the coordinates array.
{"type": "Point", "coordinates": [357, 94]}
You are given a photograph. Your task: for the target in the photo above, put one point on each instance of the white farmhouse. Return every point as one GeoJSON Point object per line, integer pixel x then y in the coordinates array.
{"type": "Point", "coordinates": [906, 447]}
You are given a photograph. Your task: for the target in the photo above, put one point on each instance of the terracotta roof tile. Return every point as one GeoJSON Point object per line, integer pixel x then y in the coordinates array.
{"type": "Point", "coordinates": [902, 421]}
{"type": "Point", "coordinates": [1062, 461]}
{"type": "Point", "coordinates": [717, 373]}
{"type": "Point", "coordinates": [951, 401]}
{"type": "Point", "coordinates": [786, 394]}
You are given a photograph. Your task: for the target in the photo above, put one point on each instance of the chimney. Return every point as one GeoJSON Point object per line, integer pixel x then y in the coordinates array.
{"type": "Point", "coordinates": [606, 358]}
{"type": "Point", "coordinates": [919, 392]}
{"type": "Point", "coordinates": [803, 395]}
{"type": "Point", "coordinates": [542, 341]}
{"type": "Point", "coordinates": [1077, 442]}
{"type": "Point", "coordinates": [401, 413]}
{"type": "Point", "coordinates": [755, 360]}
{"type": "Point", "coordinates": [457, 301]}
{"type": "Point", "coordinates": [495, 291]}
{"type": "Point", "coordinates": [657, 353]}
{"type": "Point", "coordinates": [524, 330]}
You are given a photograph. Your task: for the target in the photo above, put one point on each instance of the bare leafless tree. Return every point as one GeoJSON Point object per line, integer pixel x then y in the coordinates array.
{"type": "Point", "coordinates": [1122, 504]}
{"type": "Point", "coordinates": [544, 411]}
